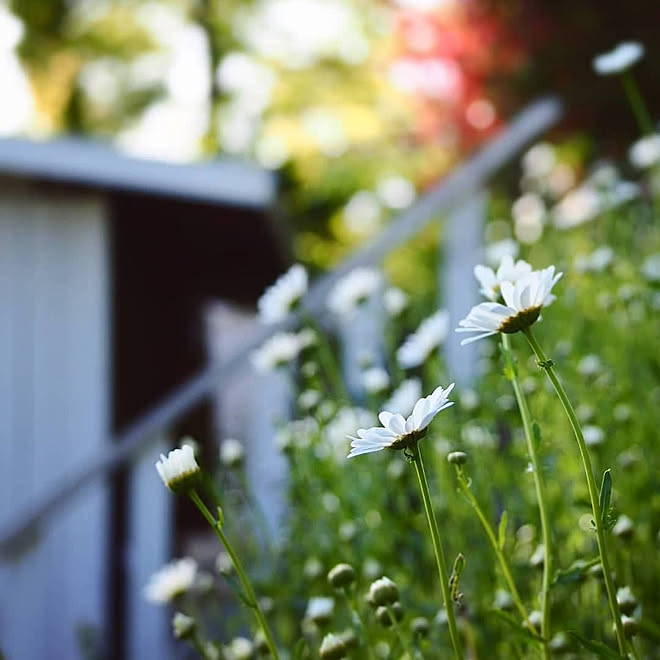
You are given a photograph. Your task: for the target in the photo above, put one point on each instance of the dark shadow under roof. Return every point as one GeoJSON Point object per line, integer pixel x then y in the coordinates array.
{"type": "Point", "coordinates": [99, 165]}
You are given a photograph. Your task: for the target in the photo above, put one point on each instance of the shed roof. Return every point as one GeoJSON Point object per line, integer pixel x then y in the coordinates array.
{"type": "Point", "coordinates": [100, 165]}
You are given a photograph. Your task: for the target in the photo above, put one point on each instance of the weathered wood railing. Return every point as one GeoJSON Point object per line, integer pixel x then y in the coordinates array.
{"type": "Point", "coordinates": [458, 196]}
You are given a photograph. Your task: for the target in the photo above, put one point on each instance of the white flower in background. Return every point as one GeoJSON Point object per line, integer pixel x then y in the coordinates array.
{"type": "Point", "coordinates": [619, 59]}
{"type": "Point", "coordinates": [396, 192]}
{"type": "Point", "coordinates": [495, 252]}
{"type": "Point", "coordinates": [597, 261]}
{"type": "Point", "coordinates": [346, 420]}
{"type": "Point", "coordinates": [394, 301]}
{"type": "Point", "coordinates": [404, 397]}
{"type": "Point", "coordinates": [280, 298]}
{"type": "Point", "coordinates": [308, 399]}
{"type": "Point", "coordinates": [171, 581]}
{"type": "Point", "coordinates": [508, 271]}
{"type": "Point", "coordinates": [651, 267]}
{"type": "Point", "coordinates": [576, 207]}
{"type": "Point", "coordinates": [232, 452]}
{"type": "Point", "coordinates": [332, 646]}
{"type": "Point", "coordinates": [430, 334]}
{"type": "Point", "coordinates": [307, 337]}
{"type": "Point", "coordinates": [353, 289]}
{"type": "Point", "coordinates": [539, 160]}
{"type": "Point", "coordinates": [362, 213]}
{"type": "Point", "coordinates": [590, 365]}
{"type": "Point", "coordinates": [278, 350]}
{"type": "Point", "coordinates": [240, 648]}
{"type": "Point", "coordinates": [320, 609]}
{"type": "Point", "coordinates": [645, 152]}
{"type": "Point", "coordinates": [179, 468]}
{"type": "Point", "coordinates": [529, 214]}
{"type": "Point", "coordinates": [523, 302]}
{"type": "Point", "coordinates": [397, 431]}
{"type": "Point", "coordinates": [297, 434]}
{"type": "Point", "coordinates": [593, 435]}
{"type": "Point", "coordinates": [375, 379]}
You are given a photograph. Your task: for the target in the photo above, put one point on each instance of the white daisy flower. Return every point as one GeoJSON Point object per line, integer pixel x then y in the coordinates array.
{"type": "Point", "coordinates": [619, 59]}
{"type": "Point", "coordinates": [398, 432]}
{"type": "Point", "coordinates": [280, 298]}
{"type": "Point", "coordinates": [394, 301]}
{"type": "Point", "coordinates": [645, 152]}
{"type": "Point", "coordinates": [276, 351]}
{"type": "Point", "coordinates": [179, 468]}
{"type": "Point", "coordinates": [405, 397]}
{"type": "Point", "coordinates": [508, 271]}
{"type": "Point", "coordinates": [320, 609]}
{"type": "Point", "coordinates": [232, 452]}
{"type": "Point", "coordinates": [171, 581]}
{"type": "Point", "coordinates": [430, 334]}
{"type": "Point", "coordinates": [523, 302]}
{"type": "Point", "coordinates": [375, 379]}
{"type": "Point", "coordinates": [240, 648]}
{"type": "Point", "coordinates": [495, 252]}
{"type": "Point", "coordinates": [353, 289]}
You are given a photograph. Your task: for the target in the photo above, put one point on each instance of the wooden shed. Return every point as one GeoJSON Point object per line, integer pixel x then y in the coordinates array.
{"type": "Point", "coordinates": [106, 263]}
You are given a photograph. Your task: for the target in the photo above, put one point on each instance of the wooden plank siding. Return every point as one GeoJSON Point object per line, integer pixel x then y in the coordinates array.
{"type": "Point", "coordinates": [54, 412]}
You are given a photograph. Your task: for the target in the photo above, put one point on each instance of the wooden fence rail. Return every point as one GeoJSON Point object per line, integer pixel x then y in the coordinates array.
{"type": "Point", "coordinates": [470, 178]}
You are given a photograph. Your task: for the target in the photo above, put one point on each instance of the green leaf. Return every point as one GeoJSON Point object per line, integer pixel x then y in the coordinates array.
{"type": "Point", "coordinates": [600, 649]}
{"type": "Point", "coordinates": [575, 572]}
{"type": "Point", "coordinates": [605, 495]}
{"type": "Point", "coordinates": [459, 567]}
{"type": "Point", "coordinates": [536, 432]}
{"type": "Point", "coordinates": [515, 625]}
{"type": "Point", "coordinates": [301, 650]}
{"type": "Point", "coordinates": [501, 530]}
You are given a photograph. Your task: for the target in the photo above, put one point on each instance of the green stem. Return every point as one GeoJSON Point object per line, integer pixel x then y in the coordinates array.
{"type": "Point", "coordinates": [465, 489]}
{"type": "Point", "coordinates": [644, 121]}
{"type": "Point", "coordinates": [547, 365]}
{"type": "Point", "coordinates": [350, 597]}
{"type": "Point", "coordinates": [327, 357]}
{"type": "Point", "coordinates": [199, 646]}
{"type": "Point", "coordinates": [249, 595]}
{"type": "Point", "coordinates": [399, 635]}
{"type": "Point", "coordinates": [540, 493]}
{"type": "Point", "coordinates": [437, 547]}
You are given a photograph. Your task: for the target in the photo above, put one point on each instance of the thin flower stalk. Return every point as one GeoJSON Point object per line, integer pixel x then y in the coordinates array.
{"type": "Point", "coordinates": [464, 485]}
{"type": "Point", "coordinates": [249, 594]}
{"type": "Point", "coordinates": [642, 116]}
{"type": "Point", "coordinates": [397, 632]}
{"type": "Point", "coordinates": [547, 366]}
{"type": "Point", "coordinates": [540, 492]}
{"type": "Point", "coordinates": [350, 598]}
{"type": "Point", "coordinates": [416, 458]}
{"type": "Point", "coordinates": [327, 358]}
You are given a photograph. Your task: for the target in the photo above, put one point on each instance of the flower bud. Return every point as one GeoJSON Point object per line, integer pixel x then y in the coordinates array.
{"type": "Point", "coordinates": [261, 643]}
{"type": "Point", "coordinates": [183, 626]}
{"type": "Point", "coordinates": [503, 600]}
{"type": "Point", "coordinates": [232, 453]}
{"type": "Point", "coordinates": [332, 648]}
{"type": "Point", "coordinates": [536, 619]}
{"type": "Point", "coordinates": [630, 626]}
{"type": "Point", "coordinates": [240, 648]}
{"type": "Point", "coordinates": [624, 528]}
{"type": "Point", "coordinates": [384, 614]}
{"type": "Point", "coordinates": [383, 592]}
{"type": "Point", "coordinates": [457, 457]}
{"type": "Point", "coordinates": [626, 600]}
{"type": "Point", "coordinates": [349, 638]}
{"type": "Point", "coordinates": [560, 643]}
{"type": "Point", "coordinates": [320, 609]}
{"type": "Point", "coordinates": [420, 626]}
{"type": "Point", "coordinates": [537, 559]}
{"type": "Point", "coordinates": [179, 470]}
{"type": "Point", "coordinates": [342, 575]}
